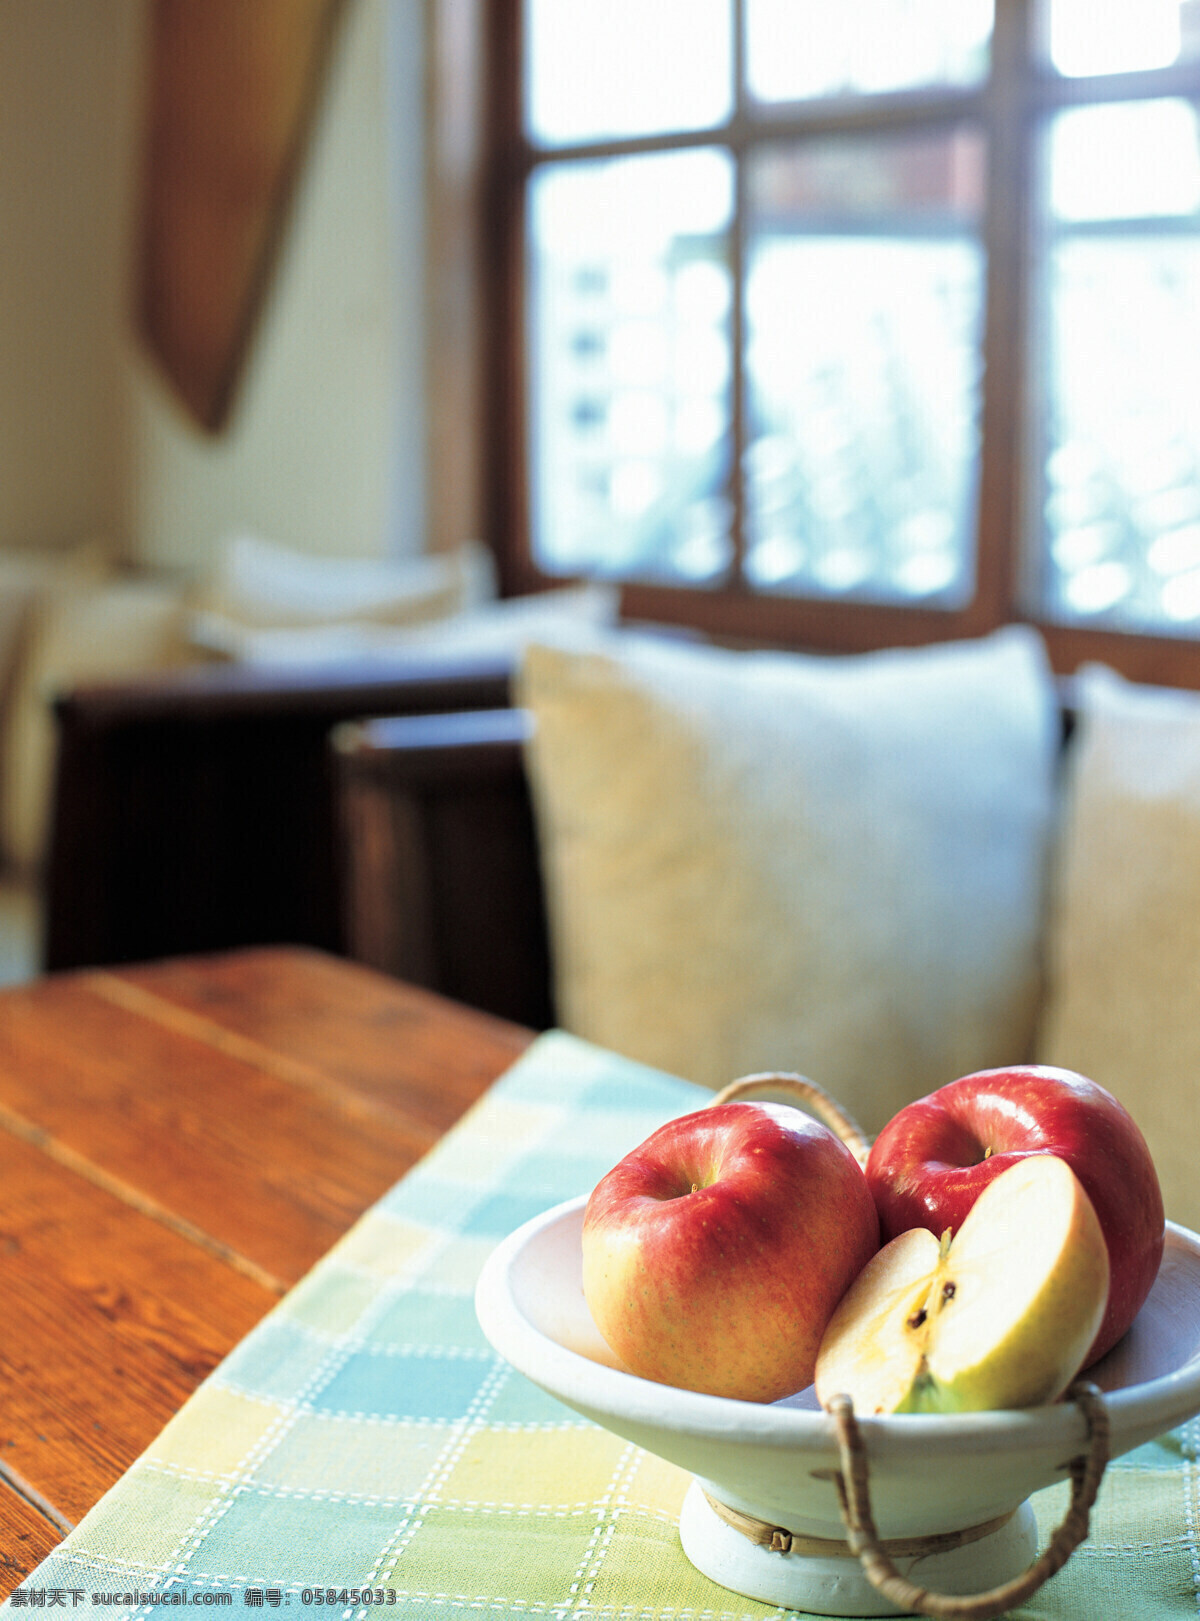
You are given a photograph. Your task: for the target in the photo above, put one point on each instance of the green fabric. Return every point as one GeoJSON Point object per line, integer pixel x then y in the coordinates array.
{"type": "Point", "coordinates": [364, 1435]}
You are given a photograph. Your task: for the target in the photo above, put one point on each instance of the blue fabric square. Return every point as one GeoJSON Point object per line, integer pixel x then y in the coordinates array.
{"type": "Point", "coordinates": [643, 1090]}
{"type": "Point", "coordinates": [429, 1201]}
{"type": "Point", "coordinates": [405, 1386]}
{"type": "Point", "coordinates": [269, 1538]}
{"type": "Point", "coordinates": [277, 1360]}
{"type": "Point", "coordinates": [555, 1177]}
{"type": "Point", "coordinates": [423, 1319]}
{"type": "Point", "coordinates": [520, 1402]}
{"type": "Point", "coordinates": [502, 1213]}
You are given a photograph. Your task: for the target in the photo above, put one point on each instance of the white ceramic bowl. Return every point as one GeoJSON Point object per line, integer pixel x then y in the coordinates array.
{"type": "Point", "coordinates": [929, 1474]}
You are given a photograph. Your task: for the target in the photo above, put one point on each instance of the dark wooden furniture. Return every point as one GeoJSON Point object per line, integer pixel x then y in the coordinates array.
{"type": "Point", "coordinates": [193, 811]}
{"type": "Point", "coordinates": [179, 1144]}
{"type": "Point", "coordinates": [442, 880]}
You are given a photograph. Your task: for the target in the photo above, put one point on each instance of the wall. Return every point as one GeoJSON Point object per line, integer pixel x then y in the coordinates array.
{"type": "Point", "coordinates": [325, 449]}
{"type": "Point", "coordinates": [64, 72]}
{"type": "Point", "coordinates": [325, 445]}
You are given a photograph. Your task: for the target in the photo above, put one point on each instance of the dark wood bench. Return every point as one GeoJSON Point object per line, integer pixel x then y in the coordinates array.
{"type": "Point", "coordinates": [442, 884]}
{"type": "Point", "coordinates": [194, 811]}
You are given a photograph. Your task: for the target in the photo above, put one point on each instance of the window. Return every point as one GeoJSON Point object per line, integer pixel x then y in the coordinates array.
{"type": "Point", "coordinates": [851, 325]}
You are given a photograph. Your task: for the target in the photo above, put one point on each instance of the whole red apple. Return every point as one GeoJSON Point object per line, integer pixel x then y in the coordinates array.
{"type": "Point", "coordinates": [931, 1161]}
{"type": "Point", "coordinates": [715, 1253]}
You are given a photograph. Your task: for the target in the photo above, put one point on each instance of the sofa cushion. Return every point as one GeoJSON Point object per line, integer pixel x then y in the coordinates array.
{"type": "Point", "coordinates": [775, 861]}
{"type": "Point", "coordinates": [491, 630]}
{"type": "Point", "coordinates": [97, 631]}
{"type": "Point", "coordinates": [32, 582]}
{"type": "Point", "coordinates": [258, 586]}
{"type": "Point", "coordinates": [1123, 950]}
{"type": "Point", "coordinates": [30, 577]}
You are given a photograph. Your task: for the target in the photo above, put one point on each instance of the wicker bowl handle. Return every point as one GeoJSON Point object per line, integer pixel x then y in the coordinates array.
{"type": "Point", "coordinates": [814, 1099]}
{"type": "Point", "coordinates": [1087, 1471]}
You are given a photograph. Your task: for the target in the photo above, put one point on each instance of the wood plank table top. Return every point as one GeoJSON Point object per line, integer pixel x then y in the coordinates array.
{"type": "Point", "coordinates": [179, 1143]}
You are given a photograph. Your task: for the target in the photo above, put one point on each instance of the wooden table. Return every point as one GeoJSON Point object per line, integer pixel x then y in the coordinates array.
{"type": "Point", "coordinates": [180, 1143]}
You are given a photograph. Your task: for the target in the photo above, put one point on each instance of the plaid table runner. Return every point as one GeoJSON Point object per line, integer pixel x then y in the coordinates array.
{"type": "Point", "coordinates": [364, 1437]}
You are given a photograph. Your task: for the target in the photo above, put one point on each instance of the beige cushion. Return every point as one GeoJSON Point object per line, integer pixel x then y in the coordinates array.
{"type": "Point", "coordinates": [258, 585]}
{"type": "Point", "coordinates": [31, 581]}
{"type": "Point", "coordinates": [29, 577]}
{"type": "Point", "coordinates": [768, 861]}
{"type": "Point", "coordinates": [91, 633]}
{"type": "Point", "coordinates": [1123, 1000]}
{"type": "Point", "coordinates": [495, 629]}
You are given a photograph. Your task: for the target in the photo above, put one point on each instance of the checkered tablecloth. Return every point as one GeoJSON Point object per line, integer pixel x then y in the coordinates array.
{"type": "Point", "coordinates": [364, 1436]}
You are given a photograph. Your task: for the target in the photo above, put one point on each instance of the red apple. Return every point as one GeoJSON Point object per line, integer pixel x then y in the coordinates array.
{"type": "Point", "coordinates": [932, 1160]}
{"type": "Point", "coordinates": [715, 1253]}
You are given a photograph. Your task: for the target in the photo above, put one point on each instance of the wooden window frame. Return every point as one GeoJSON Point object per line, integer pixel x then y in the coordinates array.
{"type": "Point", "coordinates": [480, 162]}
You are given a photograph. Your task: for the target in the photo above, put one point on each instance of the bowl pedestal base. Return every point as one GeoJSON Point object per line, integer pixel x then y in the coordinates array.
{"type": "Point", "coordinates": [836, 1585]}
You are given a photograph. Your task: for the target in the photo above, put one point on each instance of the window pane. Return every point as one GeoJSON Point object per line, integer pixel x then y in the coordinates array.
{"type": "Point", "coordinates": [1119, 481]}
{"type": "Point", "coordinates": [599, 68]}
{"type": "Point", "coordinates": [1121, 36]}
{"type": "Point", "coordinates": [630, 296]}
{"type": "Point", "coordinates": [864, 306]}
{"type": "Point", "coordinates": [797, 49]}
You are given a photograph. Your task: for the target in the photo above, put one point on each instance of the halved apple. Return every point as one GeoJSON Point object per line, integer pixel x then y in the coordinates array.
{"type": "Point", "coordinates": [999, 1315]}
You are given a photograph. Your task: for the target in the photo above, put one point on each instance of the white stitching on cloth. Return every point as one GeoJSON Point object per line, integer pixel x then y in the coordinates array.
{"type": "Point", "coordinates": [473, 1420]}
{"type": "Point", "coordinates": [597, 1544]}
{"type": "Point", "coordinates": [1189, 1437]}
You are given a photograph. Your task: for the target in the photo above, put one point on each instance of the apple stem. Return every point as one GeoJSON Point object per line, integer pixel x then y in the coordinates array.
{"type": "Point", "coordinates": [814, 1099]}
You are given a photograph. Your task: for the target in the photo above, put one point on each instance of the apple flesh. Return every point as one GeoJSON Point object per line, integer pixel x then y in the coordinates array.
{"type": "Point", "coordinates": [933, 1160]}
{"type": "Point", "coordinates": [1001, 1315]}
{"type": "Point", "coordinates": [715, 1253]}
